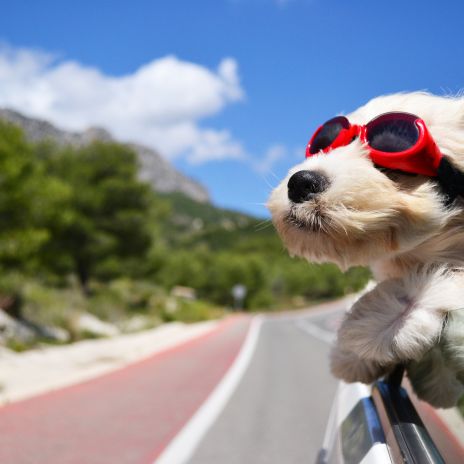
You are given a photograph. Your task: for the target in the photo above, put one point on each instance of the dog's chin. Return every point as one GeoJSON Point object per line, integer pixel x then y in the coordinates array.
{"type": "Point", "coordinates": [313, 221]}
{"type": "Point", "coordinates": [315, 235]}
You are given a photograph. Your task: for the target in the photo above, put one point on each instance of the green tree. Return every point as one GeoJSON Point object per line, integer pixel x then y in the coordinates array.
{"type": "Point", "coordinates": [29, 201]}
{"type": "Point", "coordinates": [107, 221]}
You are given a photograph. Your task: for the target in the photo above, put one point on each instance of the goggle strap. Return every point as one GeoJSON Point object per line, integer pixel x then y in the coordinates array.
{"type": "Point", "coordinates": [451, 179]}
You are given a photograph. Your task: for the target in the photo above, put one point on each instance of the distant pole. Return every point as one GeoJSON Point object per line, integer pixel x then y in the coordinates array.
{"type": "Point", "coordinates": [239, 293]}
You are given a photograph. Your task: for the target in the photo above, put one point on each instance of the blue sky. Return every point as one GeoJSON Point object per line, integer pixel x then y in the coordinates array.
{"type": "Point", "coordinates": [229, 90]}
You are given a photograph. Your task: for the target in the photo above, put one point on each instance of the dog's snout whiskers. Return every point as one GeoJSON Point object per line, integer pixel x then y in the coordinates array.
{"type": "Point", "coordinates": [312, 221]}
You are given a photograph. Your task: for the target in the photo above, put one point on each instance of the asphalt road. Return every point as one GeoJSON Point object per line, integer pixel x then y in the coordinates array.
{"type": "Point", "coordinates": [279, 411]}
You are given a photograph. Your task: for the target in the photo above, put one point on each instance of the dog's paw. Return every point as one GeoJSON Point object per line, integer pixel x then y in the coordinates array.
{"type": "Point", "coordinates": [400, 319]}
{"type": "Point", "coordinates": [347, 366]}
{"type": "Point", "coordinates": [434, 381]}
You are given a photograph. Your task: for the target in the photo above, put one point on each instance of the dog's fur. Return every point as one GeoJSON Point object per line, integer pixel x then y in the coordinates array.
{"type": "Point", "coordinates": [401, 226]}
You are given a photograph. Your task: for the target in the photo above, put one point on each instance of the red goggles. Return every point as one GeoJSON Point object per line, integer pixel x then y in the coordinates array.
{"type": "Point", "coordinates": [395, 140]}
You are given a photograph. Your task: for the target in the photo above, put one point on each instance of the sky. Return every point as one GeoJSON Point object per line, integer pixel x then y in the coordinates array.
{"type": "Point", "coordinates": [229, 90]}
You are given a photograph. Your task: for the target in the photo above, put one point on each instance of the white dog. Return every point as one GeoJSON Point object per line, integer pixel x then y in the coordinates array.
{"type": "Point", "coordinates": [340, 206]}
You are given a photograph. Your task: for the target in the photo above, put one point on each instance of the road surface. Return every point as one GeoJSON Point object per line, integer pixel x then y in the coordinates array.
{"type": "Point", "coordinates": [277, 412]}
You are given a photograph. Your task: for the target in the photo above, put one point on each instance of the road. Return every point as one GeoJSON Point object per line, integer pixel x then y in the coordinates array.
{"type": "Point", "coordinates": [277, 412]}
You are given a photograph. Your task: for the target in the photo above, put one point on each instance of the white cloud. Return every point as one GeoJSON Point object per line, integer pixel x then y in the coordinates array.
{"type": "Point", "coordinates": [160, 104]}
{"type": "Point", "coordinates": [274, 154]}
{"type": "Point", "coordinates": [217, 145]}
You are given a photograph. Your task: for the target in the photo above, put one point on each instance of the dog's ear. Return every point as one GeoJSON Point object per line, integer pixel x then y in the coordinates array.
{"type": "Point", "coordinates": [451, 179]}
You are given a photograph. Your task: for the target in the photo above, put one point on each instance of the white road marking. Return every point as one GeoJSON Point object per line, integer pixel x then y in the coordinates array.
{"type": "Point", "coordinates": [315, 331]}
{"type": "Point", "coordinates": [182, 447]}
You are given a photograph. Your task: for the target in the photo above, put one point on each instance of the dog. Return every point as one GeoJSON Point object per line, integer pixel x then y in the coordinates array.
{"type": "Point", "coordinates": [346, 205]}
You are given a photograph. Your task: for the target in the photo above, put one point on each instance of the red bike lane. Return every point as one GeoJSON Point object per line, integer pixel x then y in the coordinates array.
{"type": "Point", "coordinates": [127, 416]}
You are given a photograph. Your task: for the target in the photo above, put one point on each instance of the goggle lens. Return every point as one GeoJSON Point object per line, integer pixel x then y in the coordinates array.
{"type": "Point", "coordinates": [327, 134]}
{"type": "Point", "coordinates": [392, 132]}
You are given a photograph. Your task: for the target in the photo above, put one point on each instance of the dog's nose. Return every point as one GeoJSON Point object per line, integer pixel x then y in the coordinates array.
{"type": "Point", "coordinates": [304, 185]}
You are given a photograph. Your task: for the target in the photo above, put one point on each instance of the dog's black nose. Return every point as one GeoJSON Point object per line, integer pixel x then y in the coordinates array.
{"type": "Point", "coordinates": [304, 185]}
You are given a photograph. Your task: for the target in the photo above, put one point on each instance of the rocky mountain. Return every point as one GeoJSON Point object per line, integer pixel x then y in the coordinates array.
{"type": "Point", "coordinates": [154, 169]}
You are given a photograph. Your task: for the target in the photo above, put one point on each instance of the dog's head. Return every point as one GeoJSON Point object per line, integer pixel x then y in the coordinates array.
{"type": "Point", "coordinates": [340, 207]}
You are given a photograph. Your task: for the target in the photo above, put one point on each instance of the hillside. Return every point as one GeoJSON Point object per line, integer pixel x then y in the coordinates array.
{"type": "Point", "coordinates": [154, 169]}
{"type": "Point", "coordinates": [192, 224]}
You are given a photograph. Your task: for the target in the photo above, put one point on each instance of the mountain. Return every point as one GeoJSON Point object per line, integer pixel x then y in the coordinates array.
{"type": "Point", "coordinates": [154, 169]}
{"type": "Point", "coordinates": [192, 223]}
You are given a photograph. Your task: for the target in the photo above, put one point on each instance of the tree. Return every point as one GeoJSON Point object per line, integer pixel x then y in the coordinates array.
{"type": "Point", "coordinates": [106, 222]}
{"type": "Point", "coordinates": [29, 199]}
